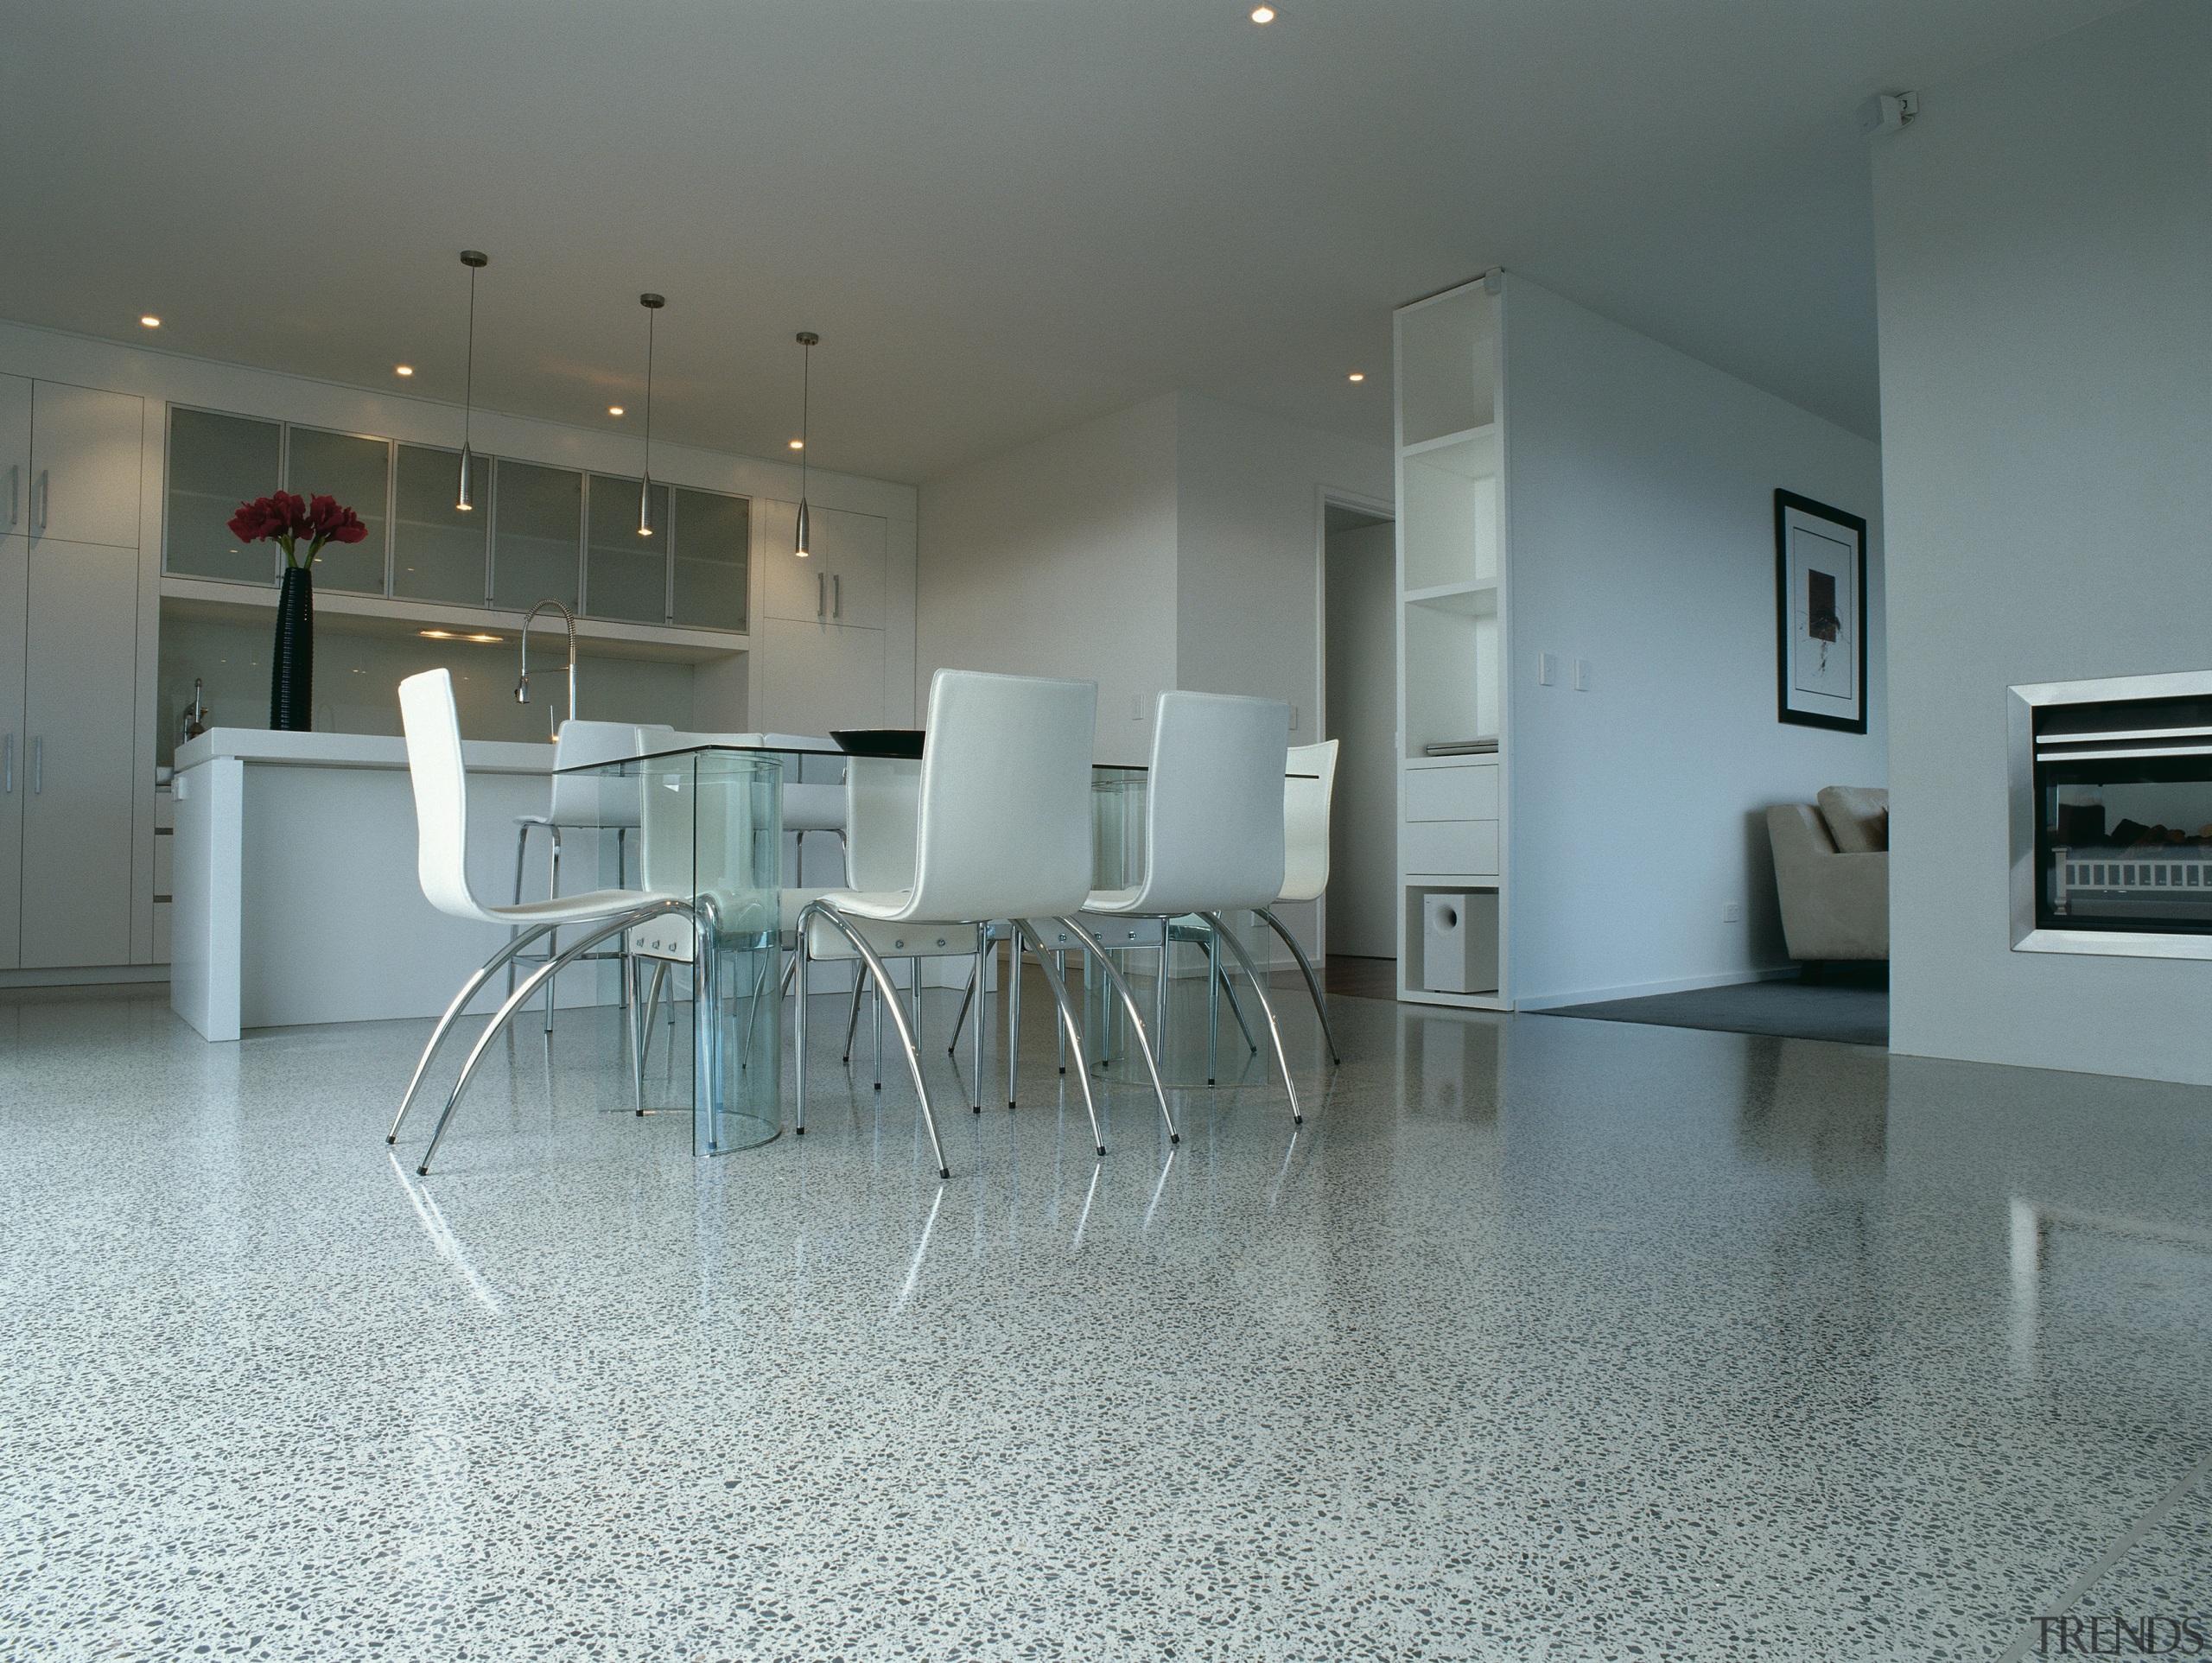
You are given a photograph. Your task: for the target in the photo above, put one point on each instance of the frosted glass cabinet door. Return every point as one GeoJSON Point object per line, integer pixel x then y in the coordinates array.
{"type": "Point", "coordinates": [85, 464]}
{"type": "Point", "coordinates": [216, 462]}
{"type": "Point", "coordinates": [713, 536]}
{"type": "Point", "coordinates": [626, 576]}
{"type": "Point", "coordinates": [15, 454]}
{"type": "Point", "coordinates": [356, 470]}
{"type": "Point", "coordinates": [437, 552]}
{"type": "Point", "coordinates": [537, 552]}
{"type": "Point", "coordinates": [77, 689]}
{"type": "Point", "coordinates": [14, 569]}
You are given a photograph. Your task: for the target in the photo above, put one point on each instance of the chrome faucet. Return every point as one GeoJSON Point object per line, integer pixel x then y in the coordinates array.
{"type": "Point", "coordinates": [522, 687]}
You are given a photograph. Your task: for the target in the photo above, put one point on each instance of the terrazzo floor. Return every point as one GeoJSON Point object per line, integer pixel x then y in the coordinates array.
{"type": "Point", "coordinates": [1544, 1339]}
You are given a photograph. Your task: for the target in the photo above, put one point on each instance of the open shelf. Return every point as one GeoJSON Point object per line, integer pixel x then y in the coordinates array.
{"type": "Point", "coordinates": [1472, 600]}
{"type": "Point", "coordinates": [1445, 374]}
{"type": "Point", "coordinates": [1447, 441]}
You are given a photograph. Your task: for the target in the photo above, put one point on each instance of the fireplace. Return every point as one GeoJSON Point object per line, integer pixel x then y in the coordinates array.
{"type": "Point", "coordinates": [2112, 816]}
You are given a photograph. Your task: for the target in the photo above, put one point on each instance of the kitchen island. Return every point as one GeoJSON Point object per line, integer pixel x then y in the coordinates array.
{"type": "Point", "coordinates": [296, 895]}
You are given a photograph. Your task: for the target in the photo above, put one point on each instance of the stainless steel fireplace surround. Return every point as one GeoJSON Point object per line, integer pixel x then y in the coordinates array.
{"type": "Point", "coordinates": [2111, 788]}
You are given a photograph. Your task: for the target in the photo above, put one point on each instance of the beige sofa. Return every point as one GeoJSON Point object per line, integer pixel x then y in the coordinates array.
{"type": "Point", "coordinates": [1832, 872]}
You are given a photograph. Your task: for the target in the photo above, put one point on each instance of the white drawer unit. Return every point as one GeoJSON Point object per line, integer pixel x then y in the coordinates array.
{"type": "Point", "coordinates": [1461, 791]}
{"type": "Point", "coordinates": [1448, 848]}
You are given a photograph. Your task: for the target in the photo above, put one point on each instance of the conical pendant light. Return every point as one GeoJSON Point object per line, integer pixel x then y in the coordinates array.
{"type": "Point", "coordinates": [652, 304]}
{"type": "Point", "coordinates": [807, 340]}
{"type": "Point", "coordinates": [475, 261]}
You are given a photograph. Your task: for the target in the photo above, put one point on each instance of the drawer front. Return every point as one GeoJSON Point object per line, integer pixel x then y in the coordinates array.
{"type": "Point", "coordinates": [1468, 793]}
{"type": "Point", "coordinates": [1452, 849]}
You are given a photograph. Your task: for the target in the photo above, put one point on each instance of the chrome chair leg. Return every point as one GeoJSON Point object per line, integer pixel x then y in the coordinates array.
{"type": "Point", "coordinates": [1267, 1007]}
{"type": "Point", "coordinates": [897, 1017]}
{"type": "Point", "coordinates": [1313, 983]}
{"type": "Point", "coordinates": [1063, 960]}
{"type": "Point", "coordinates": [469, 989]}
{"type": "Point", "coordinates": [1012, 1011]}
{"type": "Point", "coordinates": [1071, 1025]}
{"type": "Point", "coordinates": [514, 1002]}
{"type": "Point", "coordinates": [553, 892]}
{"type": "Point", "coordinates": [1237, 1008]}
{"type": "Point", "coordinates": [522, 848]}
{"type": "Point", "coordinates": [798, 1027]}
{"type": "Point", "coordinates": [952, 1045]}
{"type": "Point", "coordinates": [853, 1021]}
{"type": "Point", "coordinates": [976, 1082]}
{"type": "Point", "coordinates": [1136, 1021]}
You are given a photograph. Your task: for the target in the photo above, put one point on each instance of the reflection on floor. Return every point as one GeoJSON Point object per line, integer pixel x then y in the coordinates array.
{"type": "Point", "coordinates": [1543, 1339]}
{"type": "Point", "coordinates": [1849, 1005]}
{"type": "Point", "coordinates": [1358, 978]}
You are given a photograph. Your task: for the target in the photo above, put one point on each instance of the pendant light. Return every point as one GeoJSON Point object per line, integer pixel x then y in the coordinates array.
{"type": "Point", "coordinates": [475, 261]}
{"type": "Point", "coordinates": [652, 304]}
{"type": "Point", "coordinates": [808, 342]}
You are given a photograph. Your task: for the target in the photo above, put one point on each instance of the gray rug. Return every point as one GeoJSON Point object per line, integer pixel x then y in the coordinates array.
{"type": "Point", "coordinates": [1851, 1009]}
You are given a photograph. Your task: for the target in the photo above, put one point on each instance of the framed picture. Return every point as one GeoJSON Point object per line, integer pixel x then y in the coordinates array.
{"type": "Point", "coordinates": [1820, 592]}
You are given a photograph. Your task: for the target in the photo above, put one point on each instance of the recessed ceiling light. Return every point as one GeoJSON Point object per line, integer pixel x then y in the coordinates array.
{"type": "Point", "coordinates": [615, 409]}
{"type": "Point", "coordinates": [1263, 14]}
{"type": "Point", "coordinates": [404, 369]}
{"type": "Point", "coordinates": [798, 444]}
{"type": "Point", "coordinates": [1355, 376]}
{"type": "Point", "coordinates": [151, 322]}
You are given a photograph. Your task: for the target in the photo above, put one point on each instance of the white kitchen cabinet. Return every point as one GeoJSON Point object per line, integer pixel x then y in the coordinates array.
{"type": "Point", "coordinates": [85, 463]}
{"type": "Point", "coordinates": [817, 676]}
{"type": "Point", "coordinates": [14, 569]}
{"type": "Point", "coordinates": [15, 454]}
{"type": "Point", "coordinates": [841, 582]}
{"type": "Point", "coordinates": [79, 662]}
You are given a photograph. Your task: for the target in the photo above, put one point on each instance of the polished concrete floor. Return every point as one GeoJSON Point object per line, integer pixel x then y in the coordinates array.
{"type": "Point", "coordinates": [1544, 1339]}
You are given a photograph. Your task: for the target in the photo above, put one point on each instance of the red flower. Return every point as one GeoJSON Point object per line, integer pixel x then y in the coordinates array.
{"type": "Point", "coordinates": [330, 523]}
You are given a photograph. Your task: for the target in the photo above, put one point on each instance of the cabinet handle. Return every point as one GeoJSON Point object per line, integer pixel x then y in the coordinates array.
{"type": "Point", "coordinates": [7, 769]}
{"type": "Point", "coordinates": [38, 765]}
{"type": "Point", "coordinates": [821, 589]}
{"type": "Point", "coordinates": [15, 484]}
{"type": "Point", "coordinates": [45, 492]}
{"type": "Point", "coordinates": [838, 594]}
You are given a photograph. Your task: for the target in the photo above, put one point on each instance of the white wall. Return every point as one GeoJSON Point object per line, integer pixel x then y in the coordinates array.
{"type": "Point", "coordinates": [1058, 559]}
{"type": "Point", "coordinates": [1641, 523]}
{"type": "Point", "coordinates": [2044, 244]}
{"type": "Point", "coordinates": [1361, 717]}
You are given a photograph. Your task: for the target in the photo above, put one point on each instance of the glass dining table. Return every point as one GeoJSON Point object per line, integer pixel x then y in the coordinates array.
{"type": "Point", "coordinates": [709, 822]}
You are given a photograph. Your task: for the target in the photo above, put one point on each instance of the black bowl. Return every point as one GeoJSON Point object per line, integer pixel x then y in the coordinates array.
{"type": "Point", "coordinates": [905, 742]}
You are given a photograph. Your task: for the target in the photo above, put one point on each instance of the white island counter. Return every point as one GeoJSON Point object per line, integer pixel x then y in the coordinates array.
{"type": "Point", "coordinates": [296, 895]}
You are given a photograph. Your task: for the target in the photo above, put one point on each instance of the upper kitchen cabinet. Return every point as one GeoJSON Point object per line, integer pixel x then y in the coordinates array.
{"type": "Point", "coordinates": [841, 579]}
{"type": "Point", "coordinates": [15, 454]}
{"type": "Point", "coordinates": [84, 464]}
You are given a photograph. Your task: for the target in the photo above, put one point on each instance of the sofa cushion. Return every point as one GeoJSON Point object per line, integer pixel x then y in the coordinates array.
{"type": "Point", "coordinates": [1857, 817]}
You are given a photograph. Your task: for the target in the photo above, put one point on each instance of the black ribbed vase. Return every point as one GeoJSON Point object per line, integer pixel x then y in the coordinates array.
{"type": "Point", "coordinates": [291, 673]}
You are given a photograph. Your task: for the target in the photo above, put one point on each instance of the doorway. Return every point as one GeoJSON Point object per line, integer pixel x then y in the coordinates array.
{"type": "Point", "coordinates": [1360, 676]}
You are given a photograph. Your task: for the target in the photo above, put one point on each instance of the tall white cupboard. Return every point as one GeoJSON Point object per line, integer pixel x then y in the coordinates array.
{"type": "Point", "coordinates": [70, 459]}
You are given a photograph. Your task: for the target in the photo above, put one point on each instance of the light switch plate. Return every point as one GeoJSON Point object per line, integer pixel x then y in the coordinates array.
{"type": "Point", "coordinates": [1547, 670]}
{"type": "Point", "coordinates": [1731, 912]}
{"type": "Point", "coordinates": [1581, 675]}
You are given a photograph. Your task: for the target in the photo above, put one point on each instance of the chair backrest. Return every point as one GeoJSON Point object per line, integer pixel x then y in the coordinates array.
{"type": "Point", "coordinates": [593, 799]}
{"type": "Point", "coordinates": [1214, 808]}
{"type": "Point", "coordinates": [1305, 820]}
{"type": "Point", "coordinates": [1004, 825]}
{"type": "Point", "coordinates": [882, 821]}
{"type": "Point", "coordinates": [809, 807]}
{"type": "Point", "coordinates": [433, 729]}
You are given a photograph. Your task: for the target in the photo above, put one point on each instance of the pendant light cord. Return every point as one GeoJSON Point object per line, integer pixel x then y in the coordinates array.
{"type": "Point", "coordinates": [649, 311]}
{"type": "Point", "coordinates": [469, 377]}
{"type": "Point", "coordinates": [806, 409]}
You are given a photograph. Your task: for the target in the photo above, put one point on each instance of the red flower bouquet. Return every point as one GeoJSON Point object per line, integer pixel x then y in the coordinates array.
{"type": "Point", "coordinates": [283, 519]}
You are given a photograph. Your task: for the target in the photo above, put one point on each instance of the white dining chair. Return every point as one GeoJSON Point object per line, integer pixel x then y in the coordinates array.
{"type": "Point", "coordinates": [1002, 831]}
{"type": "Point", "coordinates": [440, 786]}
{"type": "Point", "coordinates": [1307, 787]}
{"type": "Point", "coordinates": [1213, 832]}
{"type": "Point", "coordinates": [585, 803]}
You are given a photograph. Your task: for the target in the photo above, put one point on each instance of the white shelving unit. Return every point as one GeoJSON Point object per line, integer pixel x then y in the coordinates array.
{"type": "Point", "coordinates": [1452, 590]}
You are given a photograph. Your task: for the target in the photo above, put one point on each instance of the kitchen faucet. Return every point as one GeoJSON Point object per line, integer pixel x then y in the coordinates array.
{"type": "Point", "coordinates": [522, 687]}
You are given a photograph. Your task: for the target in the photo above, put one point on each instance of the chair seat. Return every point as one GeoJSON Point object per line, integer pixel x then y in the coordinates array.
{"type": "Point", "coordinates": [1112, 900]}
{"type": "Point", "coordinates": [578, 909]}
{"type": "Point", "coordinates": [1299, 892]}
{"type": "Point", "coordinates": [864, 910]}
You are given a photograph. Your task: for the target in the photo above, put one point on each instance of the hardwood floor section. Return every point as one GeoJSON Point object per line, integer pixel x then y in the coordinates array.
{"type": "Point", "coordinates": [1360, 978]}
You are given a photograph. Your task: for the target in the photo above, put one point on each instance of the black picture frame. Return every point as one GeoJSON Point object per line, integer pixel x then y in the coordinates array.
{"type": "Point", "coordinates": [1802, 706]}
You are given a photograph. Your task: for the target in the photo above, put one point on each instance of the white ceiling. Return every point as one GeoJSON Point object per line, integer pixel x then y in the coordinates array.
{"type": "Point", "coordinates": [1005, 216]}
